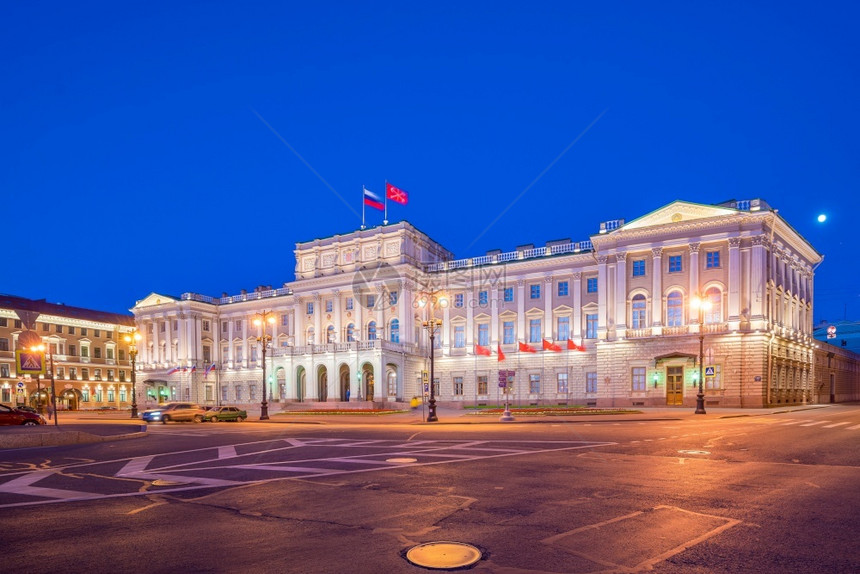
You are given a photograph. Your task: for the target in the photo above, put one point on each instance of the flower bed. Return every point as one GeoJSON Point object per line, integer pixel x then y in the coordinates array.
{"type": "Point", "coordinates": [361, 412]}
{"type": "Point", "coordinates": [554, 411]}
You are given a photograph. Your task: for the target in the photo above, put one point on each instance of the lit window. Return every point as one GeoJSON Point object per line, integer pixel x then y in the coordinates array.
{"type": "Point", "coordinates": [675, 309]}
{"type": "Point", "coordinates": [638, 311]}
{"type": "Point", "coordinates": [371, 331]}
{"type": "Point", "coordinates": [484, 334]}
{"type": "Point", "coordinates": [563, 325]}
{"type": "Point", "coordinates": [482, 385]}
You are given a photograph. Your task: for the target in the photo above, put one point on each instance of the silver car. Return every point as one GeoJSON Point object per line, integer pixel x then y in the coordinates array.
{"type": "Point", "coordinates": [174, 412]}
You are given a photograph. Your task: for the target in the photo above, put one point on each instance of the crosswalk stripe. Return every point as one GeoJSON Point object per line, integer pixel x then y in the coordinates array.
{"type": "Point", "coordinates": [834, 425]}
{"type": "Point", "coordinates": [815, 423]}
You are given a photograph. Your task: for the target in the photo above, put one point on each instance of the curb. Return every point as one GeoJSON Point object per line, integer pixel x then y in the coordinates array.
{"type": "Point", "coordinates": [27, 440]}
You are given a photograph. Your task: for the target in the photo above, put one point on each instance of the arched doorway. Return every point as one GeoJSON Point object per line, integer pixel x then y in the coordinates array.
{"type": "Point", "coordinates": [281, 379]}
{"type": "Point", "coordinates": [392, 387]}
{"type": "Point", "coordinates": [301, 376]}
{"type": "Point", "coordinates": [40, 399]}
{"type": "Point", "coordinates": [368, 385]}
{"type": "Point", "coordinates": [69, 399]}
{"type": "Point", "coordinates": [344, 383]}
{"type": "Point", "coordinates": [322, 383]}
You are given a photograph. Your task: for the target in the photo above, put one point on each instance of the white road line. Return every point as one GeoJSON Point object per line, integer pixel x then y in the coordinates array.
{"type": "Point", "coordinates": [786, 423]}
{"type": "Point", "coordinates": [135, 465]}
{"type": "Point", "coordinates": [815, 423]}
{"type": "Point", "coordinates": [228, 451]}
{"type": "Point", "coordinates": [855, 427]}
{"type": "Point", "coordinates": [834, 425]}
{"type": "Point", "coordinates": [21, 485]}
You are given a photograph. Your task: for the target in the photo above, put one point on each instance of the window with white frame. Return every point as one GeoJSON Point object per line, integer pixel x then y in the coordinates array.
{"type": "Point", "coordinates": [591, 285]}
{"type": "Point", "coordinates": [238, 325]}
{"type": "Point", "coordinates": [639, 268]}
{"type": "Point", "coordinates": [637, 311]}
{"type": "Point", "coordinates": [563, 289]}
{"type": "Point", "coordinates": [329, 334]}
{"type": "Point", "coordinates": [350, 333]}
{"type": "Point", "coordinates": [508, 332]}
{"type": "Point", "coordinates": [252, 392]}
{"type": "Point", "coordinates": [675, 264]}
{"type": "Point", "coordinates": [458, 300]}
{"type": "Point", "coordinates": [562, 383]}
{"type": "Point", "coordinates": [483, 334]}
{"type": "Point", "coordinates": [675, 309]}
{"type": "Point", "coordinates": [459, 336]}
{"type": "Point", "coordinates": [483, 298]}
{"type": "Point", "coordinates": [310, 336]}
{"type": "Point", "coordinates": [309, 308]}
{"type": "Point", "coordinates": [371, 301]}
{"type": "Point", "coordinates": [371, 331]}
{"type": "Point", "coordinates": [238, 391]}
{"type": "Point", "coordinates": [563, 328]}
{"type": "Point", "coordinates": [591, 326]}
{"type": "Point", "coordinates": [4, 370]}
{"type": "Point", "coordinates": [712, 259]}
{"type": "Point", "coordinates": [392, 384]}
{"type": "Point", "coordinates": [534, 291]}
{"type": "Point", "coordinates": [458, 386]}
{"type": "Point", "coordinates": [483, 386]}
{"type": "Point", "coordinates": [392, 297]}
{"type": "Point", "coordinates": [285, 320]}
{"type": "Point", "coordinates": [237, 353]}
{"type": "Point", "coordinates": [534, 331]}
{"type": "Point", "coordinates": [638, 378]}
{"type": "Point", "coordinates": [509, 294]}
{"type": "Point", "coordinates": [329, 306]}
{"type": "Point", "coordinates": [534, 383]}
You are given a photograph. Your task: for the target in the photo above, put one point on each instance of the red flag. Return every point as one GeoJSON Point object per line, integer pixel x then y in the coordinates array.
{"type": "Point", "coordinates": [501, 354]}
{"type": "Point", "coordinates": [485, 351]}
{"type": "Point", "coordinates": [526, 348]}
{"type": "Point", "coordinates": [580, 348]}
{"type": "Point", "coordinates": [571, 346]}
{"type": "Point", "coordinates": [396, 194]}
{"type": "Point", "coordinates": [547, 346]}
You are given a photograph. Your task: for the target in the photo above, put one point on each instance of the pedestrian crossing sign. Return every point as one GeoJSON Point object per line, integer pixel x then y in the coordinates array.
{"type": "Point", "coordinates": [709, 371]}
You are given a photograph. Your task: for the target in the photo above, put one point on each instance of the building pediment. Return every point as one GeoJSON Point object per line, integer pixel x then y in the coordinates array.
{"type": "Point", "coordinates": [154, 299]}
{"type": "Point", "coordinates": [677, 212]}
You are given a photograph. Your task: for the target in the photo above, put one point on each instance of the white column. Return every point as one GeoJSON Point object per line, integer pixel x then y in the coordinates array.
{"type": "Point", "coordinates": [494, 315]}
{"type": "Point", "coordinates": [602, 295]}
{"type": "Point", "coordinates": [182, 350]}
{"type": "Point", "coordinates": [620, 294]}
{"type": "Point", "coordinates": [695, 287]}
{"type": "Point", "coordinates": [470, 314]}
{"type": "Point", "coordinates": [381, 330]}
{"type": "Point", "coordinates": [339, 331]}
{"type": "Point", "coordinates": [446, 329]}
{"type": "Point", "coordinates": [757, 285]}
{"type": "Point", "coordinates": [404, 315]}
{"type": "Point", "coordinates": [547, 307]}
{"type": "Point", "coordinates": [577, 306]}
{"type": "Point", "coordinates": [231, 353]}
{"type": "Point", "coordinates": [319, 337]}
{"type": "Point", "coordinates": [246, 351]}
{"type": "Point", "coordinates": [734, 310]}
{"type": "Point", "coordinates": [521, 309]}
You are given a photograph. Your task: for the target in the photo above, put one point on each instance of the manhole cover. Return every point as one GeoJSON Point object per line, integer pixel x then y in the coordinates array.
{"type": "Point", "coordinates": [441, 555]}
{"type": "Point", "coordinates": [694, 452]}
{"type": "Point", "coordinates": [160, 482]}
{"type": "Point", "coordinates": [401, 460]}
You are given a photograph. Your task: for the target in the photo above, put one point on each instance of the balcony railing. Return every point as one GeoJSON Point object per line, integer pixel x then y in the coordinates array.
{"type": "Point", "coordinates": [578, 247]}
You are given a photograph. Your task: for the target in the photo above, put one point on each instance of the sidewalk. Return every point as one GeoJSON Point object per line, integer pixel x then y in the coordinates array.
{"type": "Point", "coordinates": [80, 427]}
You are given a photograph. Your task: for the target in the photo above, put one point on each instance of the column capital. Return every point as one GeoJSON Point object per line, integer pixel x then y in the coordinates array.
{"type": "Point", "coordinates": [694, 247]}
{"type": "Point", "coordinates": [577, 275]}
{"type": "Point", "coordinates": [602, 259]}
{"type": "Point", "coordinates": [621, 256]}
{"type": "Point", "coordinates": [657, 252]}
{"type": "Point", "coordinates": [734, 242]}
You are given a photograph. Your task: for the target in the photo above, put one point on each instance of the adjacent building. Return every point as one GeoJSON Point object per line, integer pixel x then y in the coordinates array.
{"type": "Point", "coordinates": [603, 321]}
{"type": "Point", "coordinates": [87, 349]}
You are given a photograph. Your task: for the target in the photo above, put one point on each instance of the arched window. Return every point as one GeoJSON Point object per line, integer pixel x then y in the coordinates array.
{"type": "Point", "coordinates": [371, 331]}
{"type": "Point", "coordinates": [329, 334]}
{"type": "Point", "coordinates": [715, 313]}
{"type": "Point", "coordinates": [675, 309]}
{"type": "Point", "coordinates": [350, 333]}
{"type": "Point", "coordinates": [310, 337]}
{"type": "Point", "coordinates": [395, 331]}
{"type": "Point", "coordinates": [638, 311]}
{"type": "Point", "coordinates": [392, 383]}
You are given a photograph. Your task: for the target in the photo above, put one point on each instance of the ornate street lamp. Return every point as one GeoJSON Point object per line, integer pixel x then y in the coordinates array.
{"type": "Point", "coordinates": [132, 338]}
{"type": "Point", "coordinates": [41, 349]}
{"type": "Point", "coordinates": [432, 299]}
{"type": "Point", "coordinates": [260, 321]}
{"type": "Point", "coordinates": [703, 304]}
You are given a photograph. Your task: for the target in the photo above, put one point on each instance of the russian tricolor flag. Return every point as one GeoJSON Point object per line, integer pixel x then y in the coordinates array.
{"type": "Point", "coordinates": [173, 370]}
{"type": "Point", "coordinates": [373, 200]}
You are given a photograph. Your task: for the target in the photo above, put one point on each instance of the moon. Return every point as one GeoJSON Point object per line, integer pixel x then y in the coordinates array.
{"type": "Point", "coordinates": [822, 218]}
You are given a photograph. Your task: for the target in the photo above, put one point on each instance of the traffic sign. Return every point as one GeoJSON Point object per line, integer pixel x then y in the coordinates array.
{"type": "Point", "coordinates": [20, 384]}
{"type": "Point", "coordinates": [709, 371]}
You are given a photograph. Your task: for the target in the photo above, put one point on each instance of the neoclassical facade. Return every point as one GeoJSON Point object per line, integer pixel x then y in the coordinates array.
{"type": "Point", "coordinates": [605, 321]}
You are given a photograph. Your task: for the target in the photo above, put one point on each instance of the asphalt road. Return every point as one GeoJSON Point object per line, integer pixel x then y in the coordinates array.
{"type": "Point", "coordinates": [774, 493]}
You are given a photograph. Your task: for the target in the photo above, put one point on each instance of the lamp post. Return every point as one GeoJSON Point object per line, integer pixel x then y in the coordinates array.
{"type": "Point", "coordinates": [702, 304]}
{"type": "Point", "coordinates": [260, 321]}
{"type": "Point", "coordinates": [41, 349]}
{"type": "Point", "coordinates": [132, 338]}
{"type": "Point", "coordinates": [431, 324]}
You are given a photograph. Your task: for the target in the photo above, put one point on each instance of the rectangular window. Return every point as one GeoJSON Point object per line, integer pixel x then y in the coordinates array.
{"type": "Point", "coordinates": [224, 398]}
{"type": "Point", "coordinates": [225, 354]}
{"type": "Point", "coordinates": [4, 344]}
{"type": "Point", "coordinates": [483, 298]}
{"type": "Point", "coordinates": [85, 395]}
{"type": "Point", "coordinates": [175, 325]}
{"type": "Point", "coordinates": [562, 383]}
{"type": "Point", "coordinates": [371, 301]}
{"type": "Point", "coordinates": [4, 322]}
{"type": "Point", "coordinates": [224, 327]}
{"type": "Point", "coordinates": [562, 289]}
{"type": "Point", "coordinates": [459, 336]}
{"type": "Point", "coordinates": [72, 350]}
{"type": "Point", "coordinates": [458, 386]}
{"type": "Point", "coordinates": [109, 352]}
{"type": "Point", "coordinates": [252, 393]}
{"type": "Point", "coordinates": [97, 352]}
{"type": "Point", "coordinates": [591, 285]}
{"type": "Point", "coordinates": [534, 291]}
{"type": "Point", "coordinates": [123, 397]}
{"type": "Point", "coordinates": [121, 376]}
{"type": "Point", "coordinates": [207, 354]}
{"type": "Point", "coordinates": [392, 298]}
{"type": "Point", "coordinates": [238, 326]}
{"type": "Point", "coordinates": [534, 331]}
{"type": "Point", "coordinates": [6, 394]}
{"type": "Point", "coordinates": [110, 374]}
{"type": "Point", "coordinates": [122, 355]}
{"type": "Point", "coordinates": [4, 370]}
{"type": "Point", "coordinates": [484, 334]}
{"type": "Point", "coordinates": [111, 396]}
{"type": "Point", "coordinates": [482, 385]}
{"type": "Point", "coordinates": [161, 326]}
{"type": "Point", "coordinates": [437, 388]}
{"type": "Point", "coordinates": [109, 334]}
{"type": "Point", "coordinates": [238, 393]}
{"type": "Point", "coordinates": [73, 373]}
{"type": "Point", "coordinates": [85, 374]}
{"type": "Point", "coordinates": [508, 332]}
{"type": "Point", "coordinates": [675, 264]}
{"type": "Point", "coordinates": [85, 351]}
{"type": "Point", "coordinates": [509, 294]}
{"type": "Point", "coordinates": [285, 320]}
{"type": "Point", "coordinates": [205, 325]}
{"type": "Point", "coordinates": [329, 306]}
{"type": "Point", "coordinates": [349, 303]}
{"type": "Point", "coordinates": [237, 353]}
{"type": "Point", "coordinates": [60, 372]}
{"type": "Point", "coordinates": [310, 309]}
{"type": "Point", "coordinates": [59, 328]}
{"type": "Point", "coordinates": [97, 374]}
{"type": "Point", "coordinates": [71, 330]}
{"type": "Point", "coordinates": [563, 329]}
{"type": "Point", "coordinates": [534, 384]}
{"type": "Point", "coordinates": [639, 268]}
{"type": "Point", "coordinates": [638, 378]}
{"type": "Point", "coordinates": [712, 259]}
{"type": "Point", "coordinates": [591, 326]}
{"type": "Point", "coordinates": [591, 382]}
{"type": "Point", "coordinates": [98, 333]}
{"type": "Point", "coordinates": [458, 300]}
{"type": "Point", "coordinates": [45, 326]}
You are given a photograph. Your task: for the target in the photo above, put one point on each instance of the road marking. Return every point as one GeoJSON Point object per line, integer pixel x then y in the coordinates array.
{"type": "Point", "coordinates": [834, 425]}
{"type": "Point", "coordinates": [855, 427]}
{"type": "Point", "coordinates": [228, 451]}
{"type": "Point", "coordinates": [815, 423]}
{"type": "Point", "coordinates": [22, 485]}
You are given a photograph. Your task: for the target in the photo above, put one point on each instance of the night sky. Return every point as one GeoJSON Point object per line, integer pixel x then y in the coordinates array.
{"type": "Point", "coordinates": [186, 146]}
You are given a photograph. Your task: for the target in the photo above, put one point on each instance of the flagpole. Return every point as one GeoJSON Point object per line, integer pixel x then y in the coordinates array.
{"type": "Point", "coordinates": [363, 189]}
{"type": "Point", "coordinates": [385, 204]}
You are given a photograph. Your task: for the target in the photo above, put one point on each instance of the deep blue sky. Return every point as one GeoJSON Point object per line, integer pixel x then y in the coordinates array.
{"type": "Point", "coordinates": [132, 158]}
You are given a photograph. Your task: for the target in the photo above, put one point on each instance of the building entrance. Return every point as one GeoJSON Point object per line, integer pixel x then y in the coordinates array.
{"type": "Point", "coordinates": [674, 386]}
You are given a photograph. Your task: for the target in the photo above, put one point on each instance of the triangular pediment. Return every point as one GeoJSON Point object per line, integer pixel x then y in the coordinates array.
{"type": "Point", "coordinates": [677, 212]}
{"type": "Point", "coordinates": [154, 299]}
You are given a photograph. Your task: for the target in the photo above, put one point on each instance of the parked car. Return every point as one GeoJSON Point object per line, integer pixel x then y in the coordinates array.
{"type": "Point", "coordinates": [225, 413]}
{"type": "Point", "coordinates": [15, 416]}
{"type": "Point", "coordinates": [174, 412]}
{"type": "Point", "coordinates": [27, 408]}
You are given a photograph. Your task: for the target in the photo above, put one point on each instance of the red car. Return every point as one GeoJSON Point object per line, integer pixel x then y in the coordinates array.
{"type": "Point", "coordinates": [10, 416]}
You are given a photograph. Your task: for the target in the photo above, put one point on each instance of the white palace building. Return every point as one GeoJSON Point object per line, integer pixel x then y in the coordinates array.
{"type": "Point", "coordinates": [604, 322]}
